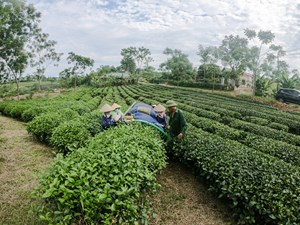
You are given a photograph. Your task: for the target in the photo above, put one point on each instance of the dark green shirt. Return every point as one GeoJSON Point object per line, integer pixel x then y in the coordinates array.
{"type": "Point", "coordinates": [177, 123]}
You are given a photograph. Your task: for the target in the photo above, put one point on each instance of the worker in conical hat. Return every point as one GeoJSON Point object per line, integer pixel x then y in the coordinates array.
{"type": "Point", "coordinates": [177, 123]}
{"type": "Point", "coordinates": [107, 120]}
{"type": "Point", "coordinates": [117, 113]}
{"type": "Point", "coordinates": [161, 115]}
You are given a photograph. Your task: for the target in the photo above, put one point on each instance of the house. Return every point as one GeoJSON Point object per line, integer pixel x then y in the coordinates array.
{"type": "Point", "coordinates": [244, 84]}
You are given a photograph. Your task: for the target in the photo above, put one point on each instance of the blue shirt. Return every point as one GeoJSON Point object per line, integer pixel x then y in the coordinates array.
{"type": "Point", "coordinates": [107, 122]}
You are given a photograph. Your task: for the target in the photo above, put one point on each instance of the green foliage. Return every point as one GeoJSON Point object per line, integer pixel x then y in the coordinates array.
{"type": "Point", "coordinates": [80, 65]}
{"type": "Point", "coordinates": [178, 67]}
{"type": "Point", "coordinates": [31, 112]}
{"type": "Point", "coordinates": [262, 189]}
{"type": "Point", "coordinates": [42, 126]}
{"type": "Point", "coordinates": [209, 72]}
{"type": "Point", "coordinates": [92, 121]}
{"type": "Point", "coordinates": [263, 86]}
{"type": "Point", "coordinates": [278, 126]}
{"type": "Point", "coordinates": [282, 150]}
{"type": "Point", "coordinates": [104, 182]}
{"type": "Point", "coordinates": [266, 132]}
{"type": "Point", "coordinates": [69, 136]}
{"type": "Point", "coordinates": [135, 58]}
{"type": "Point", "coordinates": [256, 120]}
{"type": "Point", "coordinates": [285, 81]}
{"type": "Point", "coordinates": [44, 52]}
{"type": "Point", "coordinates": [19, 22]}
{"type": "Point", "coordinates": [250, 155]}
{"type": "Point", "coordinates": [233, 52]}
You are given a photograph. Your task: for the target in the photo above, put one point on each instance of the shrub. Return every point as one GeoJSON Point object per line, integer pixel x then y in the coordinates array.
{"type": "Point", "coordinates": [69, 136]}
{"type": "Point", "coordinates": [42, 126]}
{"type": "Point", "coordinates": [262, 189]}
{"type": "Point", "coordinates": [30, 113]}
{"type": "Point", "coordinates": [92, 121]}
{"type": "Point", "coordinates": [104, 183]}
{"type": "Point", "coordinates": [279, 126]}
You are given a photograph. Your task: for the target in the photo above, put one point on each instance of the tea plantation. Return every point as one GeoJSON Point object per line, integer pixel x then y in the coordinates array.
{"type": "Point", "coordinates": [248, 152]}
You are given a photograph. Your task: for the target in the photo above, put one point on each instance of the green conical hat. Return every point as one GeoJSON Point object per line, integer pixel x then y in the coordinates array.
{"type": "Point", "coordinates": [106, 108]}
{"type": "Point", "coordinates": [170, 103]}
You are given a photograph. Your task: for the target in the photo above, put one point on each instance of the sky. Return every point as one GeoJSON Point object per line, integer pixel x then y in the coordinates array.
{"type": "Point", "coordinates": [100, 29]}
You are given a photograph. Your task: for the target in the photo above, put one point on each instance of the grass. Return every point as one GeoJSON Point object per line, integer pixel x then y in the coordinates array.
{"type": "Point", "coordinates": [183, 200]}
{"type": "Point", "coordinates": [21, 161]}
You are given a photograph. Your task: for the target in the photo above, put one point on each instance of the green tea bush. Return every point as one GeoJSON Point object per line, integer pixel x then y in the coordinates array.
{"type": "Point", "coordinates": [69, 136]}
{"type": "Point", "coordinates": [67, 114]}
{"type": "Point", "coordinates": [30, 113]}
{"type": "Point", "coordinates": [278, 126]}
{"type": "Point", "coordinates": [92, 121]}
{"type": "Point", "coordinates": [14, 108]}
{"type": "Point", "coordinates": [42, 126]}
{"type": "Point", "coordinates": [266, 132]}
{"type": "Point", "coordinates": [282, 150]}
{"type": "Point", "coordinates": [261, 188]}
{"type": "Point", "coordinates": [104, 183]}
{"type": "Point", "coordinates": [17, 110]}
{"type": "Point", "coordinates": [256, 120]}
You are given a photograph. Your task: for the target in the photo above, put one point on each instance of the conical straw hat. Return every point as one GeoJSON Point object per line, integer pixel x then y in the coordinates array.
{"type": "Point", "coordinates": [159, 108]}
{"type": "Point", "coordinates": [115, 106]}
{"type": "Point", "coordinates": [106, 108]}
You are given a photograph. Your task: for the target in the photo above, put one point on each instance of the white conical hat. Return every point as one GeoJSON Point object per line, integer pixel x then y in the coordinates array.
{"type": "Point", "coordinates": [106, 108]}
{"type": "Point", "coordinates": [159, 108]}
{"type": "Point", "coordinates": [115, 106]}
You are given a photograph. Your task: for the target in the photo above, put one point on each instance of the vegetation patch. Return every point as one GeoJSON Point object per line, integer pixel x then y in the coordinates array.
{"type": "Point", "coordinates": [105, 182]}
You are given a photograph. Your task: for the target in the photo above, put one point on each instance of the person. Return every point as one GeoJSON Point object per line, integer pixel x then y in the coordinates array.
{"type": "Point", "coordinates": [107, 120]}
{"type": "Point", "coordinates": [117, 113]}
{"type": "Point", "coordinates": [177, 124]}
{"type": "Point", "coordinates": [161, 115]}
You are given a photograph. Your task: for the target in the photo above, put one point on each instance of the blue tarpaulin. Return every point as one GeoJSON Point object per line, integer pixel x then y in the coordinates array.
{"type": "Point", "coordinates": [145, 113]}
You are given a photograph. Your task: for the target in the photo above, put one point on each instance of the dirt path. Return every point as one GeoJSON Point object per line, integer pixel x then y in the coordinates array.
{"type": "Point", "coordinates": [21, 160]}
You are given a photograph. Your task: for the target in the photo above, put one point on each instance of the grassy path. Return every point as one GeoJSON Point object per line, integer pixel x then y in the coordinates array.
{"type": "Point", "coordinates": [21, 161]}
{"type": "Point", "coordinates": [181, 200]}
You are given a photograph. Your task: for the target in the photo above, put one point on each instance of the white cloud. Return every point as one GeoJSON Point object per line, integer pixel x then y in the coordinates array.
{"type": "Point", "coordinates": [101, 28]}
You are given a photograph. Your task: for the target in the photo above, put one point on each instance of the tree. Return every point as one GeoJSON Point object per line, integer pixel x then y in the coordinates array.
{"type": "Point", "coordinates": [233, 53]}
{"type": "Point", "coordinates": [179, 66]}
{"type": "Point", "coordinates": [263, 86]}
{"type": "Point", "coordinates": [44, 53]}
{"type": "Point", "coordinates": [278, 66]}
{"type": "Point", "coordinates": [80, 64]}
{"type": "Point", "coordinates": [18, 24]}
{"type": "Point", "coordinates": [134, 58]}
{"type": "Point", "coordinates": [211, 70]}
{"type": "Point", "coordinates": [257, 59]}
{"type": "Point", "coordinates": [285, 81]}
{"type": "Point", "coordinates": [128, 64]}
{"type": "Point", "coordinates": [208, 55]}
{"type": "Point", "coordinates": [99, 77]}
{"type": "Point", "coordinates": [143, 57]}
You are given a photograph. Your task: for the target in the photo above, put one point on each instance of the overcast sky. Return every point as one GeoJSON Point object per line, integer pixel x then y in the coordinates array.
{"type": "Point", "coordinates": [99, 29]}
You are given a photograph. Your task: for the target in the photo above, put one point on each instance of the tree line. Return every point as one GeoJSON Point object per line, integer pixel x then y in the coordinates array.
{"type": "Point", "coordinates": [23, 44]}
